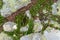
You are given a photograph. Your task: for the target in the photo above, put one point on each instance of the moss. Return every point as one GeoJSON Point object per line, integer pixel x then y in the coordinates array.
{"type": "Point", "coordinates": [1, 20]}
{"type": "Point", "coordinates": [1, 3]}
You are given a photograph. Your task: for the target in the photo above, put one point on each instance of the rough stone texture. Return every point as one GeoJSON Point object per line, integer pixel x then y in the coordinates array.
{"type": "Point", "coordinates": [4, 36]}
{"type": "Point", "coordinates": [12, 17]}
{"type": "Point", "coordinates": [9, 26]}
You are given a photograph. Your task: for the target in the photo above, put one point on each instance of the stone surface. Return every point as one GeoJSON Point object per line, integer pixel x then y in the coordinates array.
{"type": "Point", "coordinates": [24, 29]}
{"type": "Point", "coordinates": [53, 35]}
{"type": "Point", "coordinates": [11, 6]}
{"type": "Point", "coordinates": [28, 14]}
{"type": "Point", "coordinates": [26, 37]}
{"type": "Point", "coordinates": [9, 26]}
{"type": "Point", "coordinates": [37, 25]}
{"type": "Point", "coordinates": [4, 36]}
{"type": "Point", "coordinates": [54, 9]}
{"type": "Point", "coordinates": [33, 36]}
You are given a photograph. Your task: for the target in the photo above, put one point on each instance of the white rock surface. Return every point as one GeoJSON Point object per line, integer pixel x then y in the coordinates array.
{"type": "Point", "coordinates": [33, 36]}
{"type": "Point", "coordinates": [58, 2]}
{"type": "Point", "coordinates": [56, 6]}
{"type": "Point", "coordinates": [6, 12]}
{"type": "Point", "coordinates": [53, 35]}
{"type": "Point", "coordinates": [28, 14]}
{"type": "Point", "coordinates": [26, 37]}
{"type": "Point", "coordinates": [9, 26]}
{"type": "Point", "coordinates": [37, 25]}
{"type": "Point", "coordinates": [4, 36]}
{"type": "Point", "coordinates": [11, 6]}
{"type": "Point", "coordinates": [24, 29]}
{"type": "Point", "coordinates": [36, 36]}
{"type": "Point", "coordinates": [54, 9]}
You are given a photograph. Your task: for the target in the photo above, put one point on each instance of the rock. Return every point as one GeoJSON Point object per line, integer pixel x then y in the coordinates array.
{"type": "Point", "coordinates": [53, 35]}
{"type": "Point", "coordinates": [36, 36]}
{"type": "Point", "coordinates": [4, 36]}
{"type": "Point", "coordinates": [24, 29]}
{"type": "Point", "coordinates": [37, 25]}
{"type": "Point", "coordinates": [12, 5]}
{"type": "Point", "coordinates": [26, 37]}
{"type": "Point", "coordinates": [54, 9]}
{"type": "Point", "coordinates": [33, 36]}
{"type": "Point", "coordinates": [28, 14]}
{"type": "Point", "coordinates": [5, 12]}
{"type": "Point", "coordinates": [9, 26]}
{"type": "Point", "coordinates": [58, 2]}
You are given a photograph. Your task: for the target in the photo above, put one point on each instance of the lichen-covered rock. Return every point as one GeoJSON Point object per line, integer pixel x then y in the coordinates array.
{"type": "Point", "coordinates": [36, 36]}
{"type": "Point", "coordinates": [24, 29]}
{"type": "Point", "coordinates": [9, 26]}
{"type": "Point", "coordinates": [56, 8]}
{"type": "Point", "coordinates": [28, 14]}
{"type": "Point", "coordinates": [58, 2]}
{"type": "Point", "coordinates": [37, 25]}
{"type": "Point", "coordinates": [4, 36]}
{"type": "Point", "coordinates": [54, 23]}
{"type": "Point", "coordinates": [11, 6]}
{"type": "Point", "coordinates": [26, 37]}
{"type": "Point", "coordinates": [53, 35]}
{"type": "Point", "coordinates": [33, 36]}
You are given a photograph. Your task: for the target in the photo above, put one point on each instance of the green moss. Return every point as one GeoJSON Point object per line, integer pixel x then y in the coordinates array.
{"type": "Point", "coordinates": [1, 20]}
{"type": "Point", "coordinates": [31, 25]}
{"type": "Point", "coordinates": [1, 3]}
